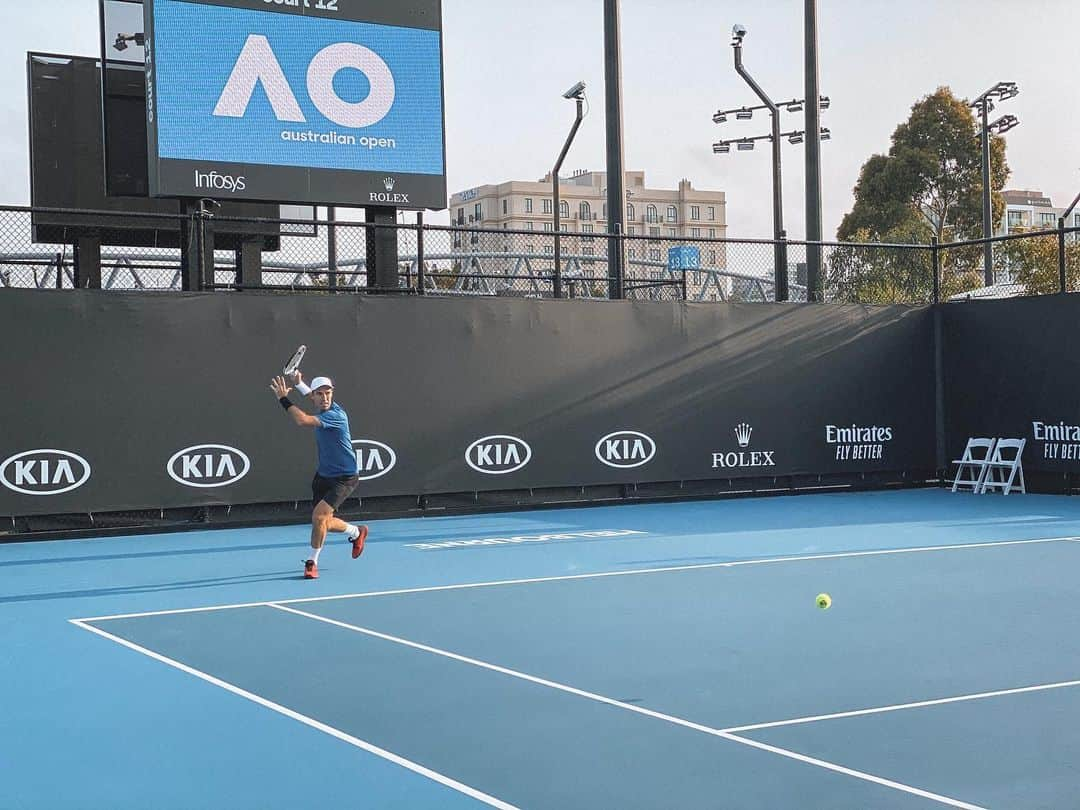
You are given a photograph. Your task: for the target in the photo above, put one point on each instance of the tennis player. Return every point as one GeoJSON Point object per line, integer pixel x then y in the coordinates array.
{"type": "Point", "coordinates": [337, 474]}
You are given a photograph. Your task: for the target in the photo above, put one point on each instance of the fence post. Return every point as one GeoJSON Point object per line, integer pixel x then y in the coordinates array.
{"type": "Point", "coordinates": [88, 262]}
{"type": "Point", "coordinates": [331, 248]}
{"type": "Point", "coordinates": [206, 265]}
{"type": "Point", "coordinates": [1062, 280]}
{"type": "Point", "coordinates": [420, 279]}
{"type": "Point", "coordinates": [936, 259]}
{"type": "Point", "coordinates": [782, 293]}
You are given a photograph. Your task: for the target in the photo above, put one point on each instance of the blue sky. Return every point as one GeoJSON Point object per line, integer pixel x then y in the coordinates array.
{"type": "Point", "coordinates": [508, 62]}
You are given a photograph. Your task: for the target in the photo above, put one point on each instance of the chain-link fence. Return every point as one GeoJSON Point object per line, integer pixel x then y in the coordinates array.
{"type": "Point", "coordinates": [40, 249]}
{"type": "Point", "coordinates": [1020, 264]}
{"type": "Point", "coordinates": [876, 274]}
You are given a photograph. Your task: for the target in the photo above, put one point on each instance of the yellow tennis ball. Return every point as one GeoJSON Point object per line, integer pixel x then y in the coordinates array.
{"type": "Point", "coordinates": [824, 601]}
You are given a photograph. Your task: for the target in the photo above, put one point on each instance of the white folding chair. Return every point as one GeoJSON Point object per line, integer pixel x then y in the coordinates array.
{"type": "Point", "coordinates": [1005, 467]}
{"type": "Point", "coordinates": [976, 457]}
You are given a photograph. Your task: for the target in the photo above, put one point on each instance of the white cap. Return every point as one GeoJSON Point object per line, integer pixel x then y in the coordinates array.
{"type": "Point", "coordinates": [319, 382]}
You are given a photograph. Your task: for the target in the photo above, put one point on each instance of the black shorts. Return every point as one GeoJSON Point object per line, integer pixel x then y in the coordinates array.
{"type": "Point", "coordinates": [333, 490]}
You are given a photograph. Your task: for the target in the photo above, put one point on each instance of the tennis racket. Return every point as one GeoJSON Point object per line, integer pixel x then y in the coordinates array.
{"type": "Point", "coordinates": [294, 363]}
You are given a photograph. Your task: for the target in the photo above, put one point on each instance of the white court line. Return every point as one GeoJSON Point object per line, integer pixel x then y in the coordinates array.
{"type": "Point", "coordinates": [600, 575]}
{"type": "Point", "coordinates": [308, 721]}
{"type": "Point", "coordinates": [678, 721]}
{"type": "Point", "coordinates": [901, 706]}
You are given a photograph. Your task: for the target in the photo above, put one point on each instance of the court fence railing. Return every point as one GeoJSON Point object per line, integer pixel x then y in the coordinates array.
{"type": "Point", "coordinates": [43, 248]}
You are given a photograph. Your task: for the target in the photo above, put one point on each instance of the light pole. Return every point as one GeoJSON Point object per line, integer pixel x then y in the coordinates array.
{"type": "Point", "coordinates": [984, 104]}
{"type": "Point", "coordinates": [614, 126]}
{"type": "Point", "coordinates": [779, 248]}
{"type": "Point", "coordinates": [576, 93]}
{"type": "Point", "coordinates": [780, 275]}
{"type": "Point", "coordinates": [813, 152]}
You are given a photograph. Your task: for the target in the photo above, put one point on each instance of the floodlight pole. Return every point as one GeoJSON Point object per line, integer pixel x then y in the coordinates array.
{"type": "Point", "coordinates": [813, 155]}
{"type": "Point", "coordinates": [988, 247]}
{"type": "Point", "coordinates": [1063, 282]}
{"type": "Point", "coordinates": [557, 281]}
{"type": "Point", "coordinates": [780, 276]}
{"type": "Point", "coordinates": [616, 198]}
{"type": "Point", "coordinates": [1002, 91]}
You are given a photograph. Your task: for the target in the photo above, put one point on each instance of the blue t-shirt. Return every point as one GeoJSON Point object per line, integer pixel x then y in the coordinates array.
{"type": "Point", "coordinates": [336, 454]}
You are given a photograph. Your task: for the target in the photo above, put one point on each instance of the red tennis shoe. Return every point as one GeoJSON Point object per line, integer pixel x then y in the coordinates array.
{"type": "Point", "coordinates": [311, 570]}
{"type": "Point", "coordinates": [358, 542]}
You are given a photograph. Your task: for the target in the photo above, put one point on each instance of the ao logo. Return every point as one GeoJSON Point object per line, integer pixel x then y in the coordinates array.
{"type": "Point", "coordinates": [208, 465]}
{"type": "Point", "coordinates": [625, 449]}
{"type": "Point", "coordinates": [257, 63]}
{"type": "Point", "coordinates": [498, 455]}
{"type": "Point", "coordinates": [44, 472]}
{"type": "Point", "coordinates": [373, 459]}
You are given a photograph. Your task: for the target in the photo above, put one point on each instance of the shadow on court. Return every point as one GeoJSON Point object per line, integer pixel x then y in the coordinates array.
{"type": "Point", "coordinates": [184, 585]}
{"type": "Point", "coordinates": [186, 552]}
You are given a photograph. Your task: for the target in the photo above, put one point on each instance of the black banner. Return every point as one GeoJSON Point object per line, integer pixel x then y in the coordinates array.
{"type": "Point", "coordinates": [125, 401]}
{"type": "Point", "coordinates": [1011, 372]}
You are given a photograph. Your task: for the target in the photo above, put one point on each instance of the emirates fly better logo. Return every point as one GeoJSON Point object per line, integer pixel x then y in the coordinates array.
{"type": "Point", "coordinates": [743, 458]}
{"type": "Point", "coordinates": [1061, 441]}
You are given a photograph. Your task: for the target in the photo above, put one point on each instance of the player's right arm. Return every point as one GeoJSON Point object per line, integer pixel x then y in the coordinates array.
{"type": "Point", "coordinates": [281, 391]}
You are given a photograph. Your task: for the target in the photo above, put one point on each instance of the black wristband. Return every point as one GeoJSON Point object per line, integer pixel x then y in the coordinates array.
{"type": "Point", "coordinates": [285, 403]}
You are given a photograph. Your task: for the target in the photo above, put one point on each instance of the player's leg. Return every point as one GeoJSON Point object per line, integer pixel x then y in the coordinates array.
{"type": "Point", "coordinates": [356, 535]}
{"type": "Point", "coordinates": [334, 493]}
{"type": "Point", "coordinates": [321, 514]}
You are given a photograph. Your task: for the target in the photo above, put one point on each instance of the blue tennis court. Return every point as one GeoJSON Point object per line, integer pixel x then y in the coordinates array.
{"type": "Point", "coordinates": [653, 656]}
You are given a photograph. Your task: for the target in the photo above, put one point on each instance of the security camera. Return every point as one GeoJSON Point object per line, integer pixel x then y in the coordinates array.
{"type": "Point", "coordinates": [576, 91]}
{"type": "Point", "coordinates": [209, 207]}
{"type": "Point", "coordinates": [122, 41]}
{"type": "Point", "coordinates": [738, 31]}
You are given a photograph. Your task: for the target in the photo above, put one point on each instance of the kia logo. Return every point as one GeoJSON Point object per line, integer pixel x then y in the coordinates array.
{"type": "Point", "coordinates": [625, 449]}
{"type": "Point", "coordinates": [208, 465]}
{"type": "Point", "coordinates": [498, 455]}
{"type": "Point", "coordinates": [44, 472]}
{"type": "Point", "coordinates": [373, 459]}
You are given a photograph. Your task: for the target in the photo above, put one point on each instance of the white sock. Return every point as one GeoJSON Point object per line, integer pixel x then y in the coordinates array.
{"type": "Point", "coordinates": [315, 554]}
{"type": "Point", "coordinates": [352, 532]}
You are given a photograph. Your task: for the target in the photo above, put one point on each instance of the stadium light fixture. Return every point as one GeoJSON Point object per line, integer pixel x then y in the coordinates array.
{"type": "Point", "coordinates": [825, 134]}
{"type": "Point", "coordinates": [1003, 124]}
{"type": "Point", "coordinates": [824, 102]}
{"type": "Point", "coordinates": [984, 105]}
{"type": "Point", "coordinates": [744, 145]}
{"type": "Point", "coordinates": [721, 148]}
{"type": "Point", "coordinates": [720, 118]}
{"type": "Point", "coordinates": [744, 114]}
{"type": "Point", "coordinates": [795, 106]}
{"type": "Point", "coordinates": [796, 137]}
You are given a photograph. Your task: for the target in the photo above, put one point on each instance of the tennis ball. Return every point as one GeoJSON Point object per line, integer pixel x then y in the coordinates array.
{"type": "Point", "coordinates": [824, 601]}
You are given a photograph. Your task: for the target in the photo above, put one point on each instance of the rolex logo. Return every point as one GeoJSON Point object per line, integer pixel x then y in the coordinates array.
{"type": "Point", "coordinates": [742, 434]}
{"type": "Point", "coordinates": [388, 183]}
{"type": "Point", "coordinates": [743, 458]}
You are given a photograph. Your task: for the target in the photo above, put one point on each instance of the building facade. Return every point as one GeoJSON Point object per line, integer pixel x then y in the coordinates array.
{"type": "Point", "coordinates": [1027, 210]}
{"type": "Point", "coordinates": [666, 216]}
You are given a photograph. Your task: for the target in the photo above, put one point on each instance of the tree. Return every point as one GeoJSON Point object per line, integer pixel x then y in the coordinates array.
{"type": "Point", "coordinates": [930, 182]}
{"type": "Point", "coordinates": [928, 185]}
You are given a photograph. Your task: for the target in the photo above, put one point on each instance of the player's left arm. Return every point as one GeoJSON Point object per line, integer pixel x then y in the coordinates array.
{"type": "Point", "coordinates": [281, 391]}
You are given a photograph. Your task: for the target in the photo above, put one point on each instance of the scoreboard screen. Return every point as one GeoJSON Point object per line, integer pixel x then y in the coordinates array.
{"type": "Point", "coordinates": [317, 101]}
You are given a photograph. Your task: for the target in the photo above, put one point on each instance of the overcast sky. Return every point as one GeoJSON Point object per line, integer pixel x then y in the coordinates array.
{"type": "Point", "coordinates": [508, 62]}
